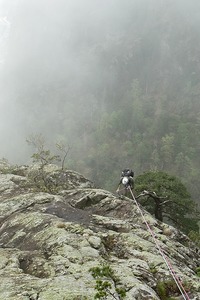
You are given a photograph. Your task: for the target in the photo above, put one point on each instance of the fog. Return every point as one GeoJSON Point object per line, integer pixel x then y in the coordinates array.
{"type": "Point", "coordinates": [51, 66]}
{"type": "Point", "coordinates": [45, 46]}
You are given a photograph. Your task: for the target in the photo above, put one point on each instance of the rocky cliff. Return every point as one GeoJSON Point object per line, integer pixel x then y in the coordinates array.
{"type": "Point", "coordinates": [55, 226]}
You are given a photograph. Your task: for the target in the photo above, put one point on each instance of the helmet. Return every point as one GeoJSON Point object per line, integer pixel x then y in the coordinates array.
{"type": "Point", "coordinates": [127, 172]}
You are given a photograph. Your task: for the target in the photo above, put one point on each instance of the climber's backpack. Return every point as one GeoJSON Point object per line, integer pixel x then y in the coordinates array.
{"type": "Point", "coordinates": [127, 173]}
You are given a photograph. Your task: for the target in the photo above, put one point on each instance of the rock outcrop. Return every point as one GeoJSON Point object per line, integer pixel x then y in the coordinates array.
{"type": "Point", "coordinates": [55, 226]}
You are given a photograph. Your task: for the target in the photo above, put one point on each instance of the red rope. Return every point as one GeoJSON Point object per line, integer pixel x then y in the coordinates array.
{"type": "Point", "coordinates": [165, 258]}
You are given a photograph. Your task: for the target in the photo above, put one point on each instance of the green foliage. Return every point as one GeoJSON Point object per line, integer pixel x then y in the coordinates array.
{"type": "Point", "coordinates": [61, 147]}
{"type": "Point", "coordinates": [107, 284]}
{"type": "Point", "coordinates": [195, 237]}
{"type": "Point", "coordinates": [161, 290]}
{"type": "Point", "coordinates": [167, 149]}
{"type": "Point", "coordinates": [42, 156]}
{"type": "Point", "coordinates": [198, 271]}
{"type": "Point", "coordinates": [177, 206]}
{"type": "Point", "coordinates": [168, 290]}
{"type": "Point", "coordinates": [40, 179]}
{"type": "Point", "coordinates": [45, 157]}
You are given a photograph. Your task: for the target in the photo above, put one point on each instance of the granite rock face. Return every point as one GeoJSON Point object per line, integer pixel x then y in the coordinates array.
{"type": "Point", "coordinates": [55, 226]}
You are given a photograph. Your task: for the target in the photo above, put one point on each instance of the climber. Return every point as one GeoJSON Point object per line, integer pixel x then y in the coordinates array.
{"type": "Point", "coordinates": [126, 180]}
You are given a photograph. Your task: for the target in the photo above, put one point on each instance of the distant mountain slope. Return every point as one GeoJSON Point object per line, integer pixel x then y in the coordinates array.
{"type": "Point", "coordinates": [119, 82]}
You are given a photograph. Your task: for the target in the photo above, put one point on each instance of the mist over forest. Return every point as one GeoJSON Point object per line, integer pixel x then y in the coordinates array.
{"type": "Point", "coordinates": [117, 81]}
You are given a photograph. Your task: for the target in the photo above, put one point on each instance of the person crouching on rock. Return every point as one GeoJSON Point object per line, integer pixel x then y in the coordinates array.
{"type": "Point", "coordinates": [126, 181]}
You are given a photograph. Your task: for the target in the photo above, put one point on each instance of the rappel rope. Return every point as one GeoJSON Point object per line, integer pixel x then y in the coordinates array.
{"type": "Point", "coordinates": [165, 258]}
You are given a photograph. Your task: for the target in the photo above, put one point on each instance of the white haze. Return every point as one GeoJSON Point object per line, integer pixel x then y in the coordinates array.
{"type": "Point", "coordinates": [46, 44]}
{"type": "Point", "coordinates": [34, 56]}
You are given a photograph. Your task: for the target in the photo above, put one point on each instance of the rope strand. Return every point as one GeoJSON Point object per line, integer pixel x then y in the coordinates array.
{"type": "Point", "coordinates": [165, 258]}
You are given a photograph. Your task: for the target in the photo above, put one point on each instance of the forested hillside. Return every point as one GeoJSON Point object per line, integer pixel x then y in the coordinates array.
{"type": "Point", "coordinates": [118, 82]}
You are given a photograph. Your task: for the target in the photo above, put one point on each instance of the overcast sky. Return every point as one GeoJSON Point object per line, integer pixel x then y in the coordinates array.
{"type": "Point", "coordinates": [46, 44]}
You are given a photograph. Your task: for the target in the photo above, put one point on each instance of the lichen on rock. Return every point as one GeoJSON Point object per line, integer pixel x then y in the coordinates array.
{"type": "Point", "coordinates": [50, 239]}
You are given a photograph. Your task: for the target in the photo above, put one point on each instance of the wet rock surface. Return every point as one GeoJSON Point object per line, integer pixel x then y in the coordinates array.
{"type": "Point", "coordinates": [50, 237]}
